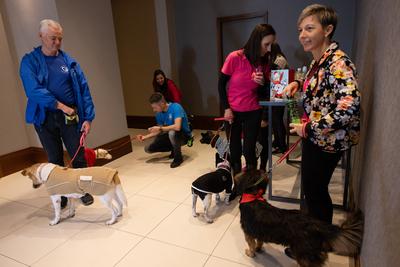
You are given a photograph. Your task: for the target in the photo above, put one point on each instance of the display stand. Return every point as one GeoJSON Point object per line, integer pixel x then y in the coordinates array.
{"type": "Point", "coordinates": [345, 162]}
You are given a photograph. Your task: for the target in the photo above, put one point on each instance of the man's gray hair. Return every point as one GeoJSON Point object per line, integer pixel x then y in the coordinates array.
{"type": "Point", "coordinates": [47, 23]}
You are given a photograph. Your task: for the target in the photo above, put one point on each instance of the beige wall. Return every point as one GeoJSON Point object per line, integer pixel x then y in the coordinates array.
{"type": "Point", "coordinates": [89, 37]}
{"type": "Point", "coordinates": [377, 166]}
{"type": "Point", "coordinates": [13, 134]}
{"type": "Point", "coordinates": [136, 32]}
{"type": "Point", "coordinates": [21, 35]}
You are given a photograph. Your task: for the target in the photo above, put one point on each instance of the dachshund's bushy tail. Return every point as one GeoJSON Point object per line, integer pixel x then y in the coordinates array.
{"type": "Point", "coordinates": [348, 241]}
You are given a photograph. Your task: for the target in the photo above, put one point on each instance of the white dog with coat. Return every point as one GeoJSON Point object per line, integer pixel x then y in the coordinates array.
{"type": "Point", "coordinates": [74, 183]}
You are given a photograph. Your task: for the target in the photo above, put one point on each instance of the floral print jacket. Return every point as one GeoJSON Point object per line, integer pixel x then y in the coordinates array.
{"type": "Point", "coordinates": [332, 102]}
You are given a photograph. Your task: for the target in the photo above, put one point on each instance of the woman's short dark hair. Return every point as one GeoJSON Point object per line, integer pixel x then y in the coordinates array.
{"type": "Point", "coordinates": [252, 49]}
{"type": "Point", "coordinates": [326, 16]}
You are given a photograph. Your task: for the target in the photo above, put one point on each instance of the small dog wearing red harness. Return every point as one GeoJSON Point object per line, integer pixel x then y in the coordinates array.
{"type": "Point", "coordinates": [92, 154]}
{"type": "Point", "coordinates": [309, 239]}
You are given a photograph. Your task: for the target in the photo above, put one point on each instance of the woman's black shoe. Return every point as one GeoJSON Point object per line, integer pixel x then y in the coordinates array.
{"type": "Point", "coordinates": [87, 199]}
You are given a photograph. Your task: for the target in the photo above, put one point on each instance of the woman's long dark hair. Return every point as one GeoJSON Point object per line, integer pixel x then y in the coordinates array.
{"type": "Point", "coordinates": [253, 46]}
{"type": "Point", "coordinates": [276, 51]}
{"type": "Point", "coordinates": [160, 88]}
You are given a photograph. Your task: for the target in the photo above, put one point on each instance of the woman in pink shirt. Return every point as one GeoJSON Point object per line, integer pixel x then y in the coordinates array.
{"type": "Point", "coordinates": [241, 81]}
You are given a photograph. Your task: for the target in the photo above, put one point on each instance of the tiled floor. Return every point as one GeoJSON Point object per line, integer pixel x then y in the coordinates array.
{"type": "Point", "coordinates": [157, 228]}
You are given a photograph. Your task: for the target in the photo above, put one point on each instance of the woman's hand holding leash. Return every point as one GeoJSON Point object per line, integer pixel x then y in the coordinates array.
{"type": "Point", "coordinates": [299, 129]}
{"type": "Point", "coordinates": [228, 115]}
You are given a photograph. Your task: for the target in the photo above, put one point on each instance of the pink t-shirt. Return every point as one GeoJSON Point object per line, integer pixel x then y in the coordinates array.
{"type": "Point", "coordinates": [242, 90]}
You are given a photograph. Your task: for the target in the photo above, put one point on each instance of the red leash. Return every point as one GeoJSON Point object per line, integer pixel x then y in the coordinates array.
{"type": "Point", "coordinates": [286, 154]}
{"type": "Point", "coordinates": [81, 144]}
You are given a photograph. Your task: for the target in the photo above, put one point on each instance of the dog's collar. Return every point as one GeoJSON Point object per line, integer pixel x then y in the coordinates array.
{"type": "Point", "coordinates": [252, 197]}
{"type": "Point", "coordinates": [221, 166]}
{"type": "Point", "coordinates": [44, 170]}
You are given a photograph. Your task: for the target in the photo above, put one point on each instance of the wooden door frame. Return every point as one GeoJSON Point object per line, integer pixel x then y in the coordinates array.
{"type": "Point", "coordinates": [222, 20]}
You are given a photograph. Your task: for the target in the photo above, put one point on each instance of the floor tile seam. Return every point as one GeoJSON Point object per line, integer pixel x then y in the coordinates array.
{"type": "Point", "coordinates": [161, 199]}
{"type": "Point", "coordinates": [148, 185]}
{"type": "Point", "coordinates": [178, 246]}
{"type": "Point", "coordinates": [8, 257]}
{"type": "Point", "coordinates": [162, 241]}
{"type": "Point", "coordinates": [166, 216]}
{"type": "Point", "coordinates": [22, 203]}
{"type": "Point", "coordinates": [23, 225]}
{"type": "Point", "coordinates": [225, 259]}
{"type": "Point", "coordinates": [222, 236]}
{"type": "Point", "coordinates": [102, 224]}
{"type": "Point", "coordinates": [59, 245]}
{"type": "Point", "coordinates": [129, 251]}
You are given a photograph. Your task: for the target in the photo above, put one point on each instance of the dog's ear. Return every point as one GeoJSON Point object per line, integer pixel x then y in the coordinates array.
{"type": "Point", "coordinates": [241, 182]}
{"type": "Point", "coordinates": [249, 181]}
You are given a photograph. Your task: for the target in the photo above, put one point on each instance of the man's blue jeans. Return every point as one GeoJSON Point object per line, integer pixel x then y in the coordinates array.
{"type": "Point", "coordinates": [53, 133]}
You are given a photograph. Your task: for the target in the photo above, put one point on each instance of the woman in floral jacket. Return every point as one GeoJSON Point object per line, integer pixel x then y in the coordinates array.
{"type": "Point", "coordinates": [331, 102]}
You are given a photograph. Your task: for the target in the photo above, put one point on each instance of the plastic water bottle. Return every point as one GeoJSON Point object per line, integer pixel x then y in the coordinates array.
{"type": "Point", "coordinates": [304, 72]}
{"type": "Point", "coordinates": [293, 111]}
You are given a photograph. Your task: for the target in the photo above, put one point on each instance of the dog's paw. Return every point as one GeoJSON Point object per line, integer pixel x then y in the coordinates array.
{"type": "Point", "coordinates": [259, 249]}
{"type": "Point", "coordinates": [250, 253]}
{"type": "Point", "coordinates": [54, 222]}
{"type": "Point", "coordinates": [111, 221]}
{"type": "Point", "coordinates": [195, 214]}
{"type": "Point", "coordinates": [71, 215]}
{"type": "Point", "coordinates": [209, 220]}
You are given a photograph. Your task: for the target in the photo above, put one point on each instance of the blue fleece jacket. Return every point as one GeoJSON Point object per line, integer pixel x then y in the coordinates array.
{"type": "Point", "coordinates": [34, 76]}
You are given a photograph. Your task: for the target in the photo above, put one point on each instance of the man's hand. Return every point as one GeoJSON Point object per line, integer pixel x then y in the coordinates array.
{"type": "Point", "coordinates": [291, 89]}
{"type": "Point", "coordinates": [86, 127]}
{"type": "Point", "coordinates": [64, 108]}
{"type": "Point", "coordinates": [140, 137]}
{"type": "Point", "coordinates": [228, 115]}
{"type": "Point", "coordinates": [155, 129]}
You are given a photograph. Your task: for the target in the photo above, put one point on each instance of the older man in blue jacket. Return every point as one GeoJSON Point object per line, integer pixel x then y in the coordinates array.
{"type": "Point", "coordinates": [59, 102]}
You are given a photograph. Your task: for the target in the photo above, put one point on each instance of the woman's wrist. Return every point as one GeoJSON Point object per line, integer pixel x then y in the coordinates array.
{"type": "Point", "coordinates": [298, 83]}
{"type": "Point", "coordinates": [304, 130]}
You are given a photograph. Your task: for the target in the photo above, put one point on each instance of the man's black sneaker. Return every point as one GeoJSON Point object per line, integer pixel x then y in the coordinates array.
{"type": "Point", "coordinates": [289, 253]}
{"type": "Point", "coordinates": [64, 202]}
{"type": "Point", "coordinates": [87, 199]}
{"type": "Point", "coordinates": [176, 163]}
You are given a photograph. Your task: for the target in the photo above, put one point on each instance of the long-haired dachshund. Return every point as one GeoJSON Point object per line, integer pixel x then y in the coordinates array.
{"type": "Point", "coordinates": [309, 239]}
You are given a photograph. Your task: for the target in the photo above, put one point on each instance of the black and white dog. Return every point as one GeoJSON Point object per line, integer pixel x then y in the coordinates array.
{"type": "Point", "coordinates": [212, 183]}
